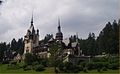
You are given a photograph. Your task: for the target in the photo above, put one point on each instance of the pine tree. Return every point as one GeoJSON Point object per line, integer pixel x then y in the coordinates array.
{"type": "Point", "coordinates": [20, 46]}
{"type": "Point", "coordinates": [91, 45]}
{"type": "Point", "coordinates": [108, 38]}
{"type": "Point", "coordinates": [3, 48]}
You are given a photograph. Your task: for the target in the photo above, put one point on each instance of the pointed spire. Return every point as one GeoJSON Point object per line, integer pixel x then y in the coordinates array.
{"type": "Point", "coordinates": [32, 26]}
{"type": "Point", "coordinates": [58, 21]}
{"type": "Point", "coordinates": [59, 34]}
{"type": "Point", "coordinates": [32, 20]}
{"type": "Point", "coordinates": [59, 28]}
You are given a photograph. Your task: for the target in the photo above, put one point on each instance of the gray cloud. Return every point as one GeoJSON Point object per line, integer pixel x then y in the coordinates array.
{"type": "Point", "coordinates": [82, 16]}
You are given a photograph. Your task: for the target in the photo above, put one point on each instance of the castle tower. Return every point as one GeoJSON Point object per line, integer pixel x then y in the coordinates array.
{"type": "Point", "coordinates": [31, 39]}
{"type": "Point", "coordinates": [59, 34]}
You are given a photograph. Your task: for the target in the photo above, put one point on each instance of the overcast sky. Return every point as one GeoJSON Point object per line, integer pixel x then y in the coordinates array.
{"type": "Point", "coordinates": [82, 16]}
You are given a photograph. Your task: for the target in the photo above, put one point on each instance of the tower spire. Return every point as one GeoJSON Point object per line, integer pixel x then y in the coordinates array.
{"type": "Point", "coordinates": [59, 28]}
{"type": "Point", "coordinates": [32, 26]}
{"type": "Point", "coordinates": [32, 20]}
{"type": "Point", "coordinates": [59, 34]}
{"type": "Point", "coordinates": [58, 21]}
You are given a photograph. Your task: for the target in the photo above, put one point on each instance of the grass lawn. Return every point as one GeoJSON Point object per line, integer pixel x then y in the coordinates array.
{"type": "Point", "coordinates": [103, 72]}
{"type": "Point", "coordinates": [49, 70]}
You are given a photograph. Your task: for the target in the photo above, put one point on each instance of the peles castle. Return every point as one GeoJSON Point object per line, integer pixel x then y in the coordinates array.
{"type": "Point", "coordinates": [71, 50]}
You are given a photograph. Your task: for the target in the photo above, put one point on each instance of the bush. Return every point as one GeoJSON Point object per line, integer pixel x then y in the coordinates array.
{"type": "Point", "coordinates": [76, 69]}
{"type": "Point", "coordinates": [35, 63]}
{"type": "Point", "coordinates": [104, 69]}
{"type": "Point", "coordinates": [83, 64]}
{"type": "Point", "coordinates": [39, 68]}
{"type": "Point", "coordinates": [68, 67]}
{"type": "Point", "coordinates": [29, 58]}
{"type": "Point", "coordinates": [114, 66]}
{"type": "Point", "coordinates": [80, 68]}
{"type": "Point", "coordinates": [61, 66]}
{"type": "Point", "coordinates": [98, 65]}
{"type": "Point", "coordinates": [99, 69]}
{"type": "Point", "coordinates": [71, 68]}
{"type": "Point", "coordinates": [85, 69]}
{"type": "Point", "coordinates": [56, 71]}
{"type": "Point", "coordinates": [27, 68]}
{"type": "Point", "coordinates": [5, 62]}
{"type": "Point", "coordinates": [44, 62]}
{"type": "Point", "coordinates": [24, 66]}
{"type": "Point", "coordinates": [113, 60]}
{"type": "Point", "coordinates": [105, 64]}
{"type": "Point", "coordinates": [13, 67]}
{"type": "Point", "coordinates": [90, 66]}
{"type": "Point", "coordinates": [13, 62]}
{"type": "Point", "coordinates": [21, 64]}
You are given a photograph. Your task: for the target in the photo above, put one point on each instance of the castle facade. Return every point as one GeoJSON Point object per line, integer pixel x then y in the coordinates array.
{"type": "Point", "coordinates": [32, 44]}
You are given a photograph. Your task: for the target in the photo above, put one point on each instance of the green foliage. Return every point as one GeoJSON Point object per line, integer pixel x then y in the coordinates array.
{"type": "Point", "coordinates": [113, 66]}
{"type": "Point", "coordinates": [13, 45]}
{"type": "Point", "coordinates": [107, 41]}
{"type": "Point", "coordinates": [80, 68]}
{"type": "Point", "coordinates": [85, 69]}
{"type": "Point", "coordinates": [13, 65]}
{"type": "Point", "coordinates": [29, 58]}
{"type": "Point", "coordinates": [113, 59]}
{"type": "Point", "coordinates": [39, 67]}
{"type": "Point", "coordinates": [100, 59]}
{"type": "Point", "coordinates": [96, 65]}
{"type": "Point", "coordinates": [90, 65]}
{"type": "Point", "coordinates": [3, 47]}
{"type": "Point", "coordinates": [104, 69]}
{"type": "Point", "coordinates": [68, 67]}
{"type": "Point", "coordinates": [61, 66]}
{"type": "Point", "coordinates": [35, 63]}
{"type": "Point", "coordinates": [108, 38]}
{"type": "Point", "coordinates": [99, 69]}
{"type": "Point", "coordinates": [5, 62]}
{"type": "Point", "coordinates": [13, 62]}
{"type": "Point", "coordinates": [20, 46]}
{"type": "Point", "coordinates": [101, 64]}
{"type": "Point", "coordinates": [31, 62]}
{"type": "Point", "coordinates": [17, 46]}
{"type": "Point", "coordinates": [91, 45]}
{"type": "Point", "coordinates": [83, 64]}
{"type": "Point", "coordinates": [27, 67]}
{"type": "Point", "coordinates": [44, 62]}
{"type": "Point", "coordinates": [55, 49]}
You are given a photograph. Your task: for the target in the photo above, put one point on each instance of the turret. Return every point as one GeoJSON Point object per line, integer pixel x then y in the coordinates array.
{"type": "Point", "coordinates": [37, 32]}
